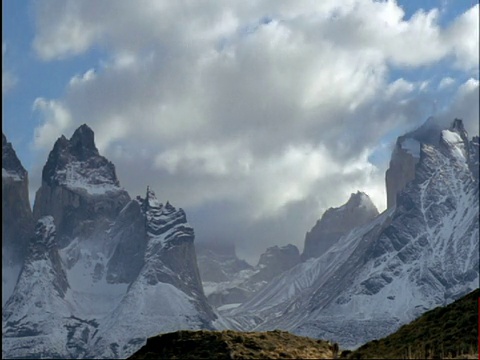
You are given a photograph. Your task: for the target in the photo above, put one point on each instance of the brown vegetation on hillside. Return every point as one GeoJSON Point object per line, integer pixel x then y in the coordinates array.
{"type": "Point", "coordinates": [449, 332]}
{"type": "Point", "coordinates": [229, 344]}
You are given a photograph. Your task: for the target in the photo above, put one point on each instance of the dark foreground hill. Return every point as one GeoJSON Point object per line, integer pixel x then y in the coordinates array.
{"type": "Point", "coordinates": [444, 332]}
{"type": "Point", "coordinates": [230, 344]}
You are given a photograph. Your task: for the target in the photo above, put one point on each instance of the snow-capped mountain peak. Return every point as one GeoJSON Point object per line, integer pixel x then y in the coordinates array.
{"type": "Point", "coordinates": [79, 188]}
{"type": "Point", "coordinates": [455, 140]}
{"type": "Point", "coordinates": [77, 165]}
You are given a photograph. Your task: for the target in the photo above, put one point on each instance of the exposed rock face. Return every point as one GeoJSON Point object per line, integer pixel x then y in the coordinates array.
{"type": "Point", "coordinates": [223, 274]}
{"type": "Point", "coordinates": [17, 219]}
{"type": "Point", "coordinates": [406, 155]}
{"type": "Point", "coordinates": [402, 168]}
{"type": "Point", "coordinates": [417, 255]}
{"type": "Point", "coordinates": [238, 281]}
{"type": "Point", "coordinates": [274, 261]}
{"type": "Point", "coordinates": [79, 188]}
{"type": "Point", "coordinates": [167, 294]}
{"type": "Point", "coordinates": [336, 222]}
{"type": "Point", "coordinates": [170, 244]}
{"type": "Point", "coordinates": [218, 262]}
{"type": "Point", "coordinates": [474, 157]}
{"type": "Point", "coordinates": [130, 234]}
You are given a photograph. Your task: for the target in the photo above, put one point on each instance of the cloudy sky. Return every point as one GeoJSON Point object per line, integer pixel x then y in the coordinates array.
{"type": "Point", "coordinates": [253, 116]}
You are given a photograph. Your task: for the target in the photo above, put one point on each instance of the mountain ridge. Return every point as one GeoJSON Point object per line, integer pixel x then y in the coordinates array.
{"type": "Point", "coordinates": [122, 270]}
{"type": "Point", "coordinates": [115, 270]}
{"type": "Point", "coordinates": [418, 254]}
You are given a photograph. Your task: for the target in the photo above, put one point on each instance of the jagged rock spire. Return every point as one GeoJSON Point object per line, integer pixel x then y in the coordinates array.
{"type": "Point", "coordinates": [82, 143]}
{"type": "Point", "coordinates": [10, 161]}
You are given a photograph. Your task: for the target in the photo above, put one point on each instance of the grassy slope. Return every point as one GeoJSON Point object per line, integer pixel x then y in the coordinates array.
{"type": "Point", "coordinates": [230, 344]}
{"type": "Point", "coordinates": [439, 333]}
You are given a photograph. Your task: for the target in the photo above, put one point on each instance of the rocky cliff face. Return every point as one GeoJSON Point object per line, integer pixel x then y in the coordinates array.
{"type": "Point", "coordinates": [129, 233]}
{"type": "Point", "coordinates": [417, 255]}
{"type": "Point", "coordinates": [79, 189]}
{"type": "Point", "coordinates": [336, 222]}
{"type": "Point", "coordinates": [166, 295]}
{"type": "Point", "coordinates": [274, 261]}
{"type": "Point", "coordinates": [238, 281]}
{"type": "Point", "coordinates": [218, 262]}
{"type": "Point", "coordinates": [406, 155]}
{"type": "Point", "coordinates": [474, 157]}
{"type": "Point", "coordinates": [17, 219]}
{"type": "Point", "coordinates": [402, 168]}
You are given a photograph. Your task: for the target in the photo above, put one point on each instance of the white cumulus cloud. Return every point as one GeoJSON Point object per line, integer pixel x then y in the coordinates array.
{"type": "Point", "coordinates": [257, 113]}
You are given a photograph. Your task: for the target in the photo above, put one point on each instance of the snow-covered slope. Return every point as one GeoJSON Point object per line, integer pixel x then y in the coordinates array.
{"type": "Point", "coordinates": [36, 317]}
{"type": "Point", "coordinates": [417, 255]}
{"type": "Point", "coordinates": [290, 290]}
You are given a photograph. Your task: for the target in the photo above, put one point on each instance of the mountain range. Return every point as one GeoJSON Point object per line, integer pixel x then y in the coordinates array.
{"type": "Point", "coordinates": [92, 272]}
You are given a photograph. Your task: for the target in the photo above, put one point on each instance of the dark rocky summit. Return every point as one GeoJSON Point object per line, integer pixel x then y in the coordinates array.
{"type": "Point", "coordinates": [10, 161]}
{"type": "Point", "coordinates": [79, 189]}
{"type": "Point", "coordinates": [336, 222]}
{"type": "Point", "coordinates": [274, 261]}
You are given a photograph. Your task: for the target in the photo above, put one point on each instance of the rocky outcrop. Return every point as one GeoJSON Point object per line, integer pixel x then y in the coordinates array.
{"type": "Point", "coordinates": [130, 236]}
{"type": "Point", "coordinates": [170, 244]}
{"type": "Point", "coordinates": [274, 261]}
{"type": "Point", "coordinates": [406, 155]}
{"type": "Point", "coordinates": [336, 222]}
{"type": "Point", "coordinates": [167, 294]}
{"type": "Point", "coordinates": [402, 168]}
{"type": "Point", "coordinates": [238, 281]}
{"type": "Point", "coordinates": [79, 188]}
{"type": "Point", "coordinates": [17, 219]}
{"type": "Point", "coordinates": [474, 156]}
{"type": "Point", "coordinates": [218, 262]}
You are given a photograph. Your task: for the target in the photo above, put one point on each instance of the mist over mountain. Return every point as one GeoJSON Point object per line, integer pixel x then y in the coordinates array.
{"type": "Point", "coordinates": [93, 272]}
{"type": "Point", "coordinates": [420, 253]}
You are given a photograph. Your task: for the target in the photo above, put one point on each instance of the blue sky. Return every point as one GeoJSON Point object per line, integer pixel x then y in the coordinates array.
{"type": "Point", "coordinates": [278, 122]}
